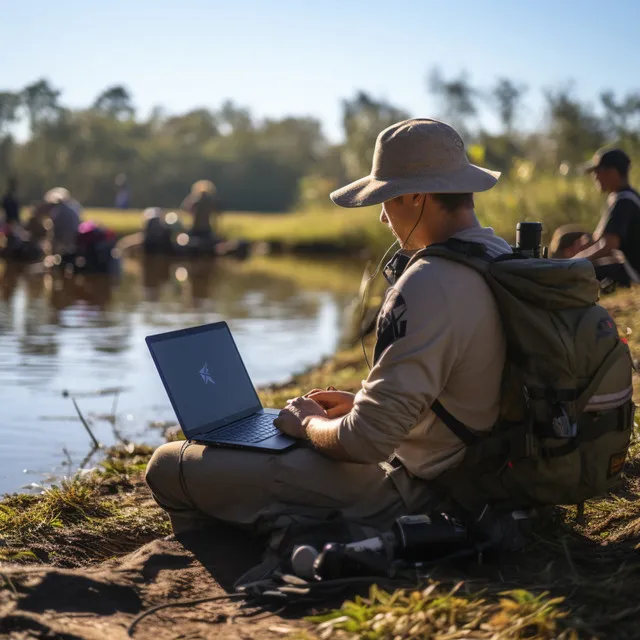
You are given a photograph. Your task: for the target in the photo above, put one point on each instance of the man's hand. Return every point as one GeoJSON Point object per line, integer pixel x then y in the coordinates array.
{"type": "Point", "coordinates": [291, 418]}
{"type": "Point", "coordinates": [335, 403]}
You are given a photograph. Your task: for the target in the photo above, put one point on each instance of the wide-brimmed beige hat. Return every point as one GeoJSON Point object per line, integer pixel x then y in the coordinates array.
{"type": "Point", "coordinates": [416, 156]}
{"type": "Point", "coordinates": [57, 195]}
{"type": "Point", "coordinates": [203, 186]}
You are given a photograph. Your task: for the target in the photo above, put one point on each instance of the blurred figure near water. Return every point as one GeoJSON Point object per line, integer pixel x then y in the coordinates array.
{"type": "Point", "coordinates": [39, 225]}
{"type": "Point", "coordinates": [66, 222]}
{"type": "Point", "coordinates": [62, 194]}
{"type": "Point", "coordinates": [10, 203]}
{"type": "Point", "coordinates": [122, 192]}
{"type": "Point", "coordinates": [202, 204]}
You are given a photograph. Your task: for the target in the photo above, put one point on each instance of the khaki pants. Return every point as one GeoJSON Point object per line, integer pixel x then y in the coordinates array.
{"type": "Point", "coordinates": [253, 489]}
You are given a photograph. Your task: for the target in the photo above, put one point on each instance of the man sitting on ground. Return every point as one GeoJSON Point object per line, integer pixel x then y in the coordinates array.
{"type": "Point", "coordinates": [372, 457]}
{"type": "Point", "coordinates": [615, 247]}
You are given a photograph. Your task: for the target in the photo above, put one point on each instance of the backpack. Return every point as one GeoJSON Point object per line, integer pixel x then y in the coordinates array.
{"type": "Point", "coordinates": [566, 411]}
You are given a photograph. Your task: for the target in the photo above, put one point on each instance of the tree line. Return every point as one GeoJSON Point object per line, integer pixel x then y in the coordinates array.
{"type": "Point", "coordinates": [275, 164]}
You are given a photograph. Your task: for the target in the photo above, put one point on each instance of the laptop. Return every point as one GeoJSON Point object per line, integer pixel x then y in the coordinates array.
{"type": "Point", "coordinates": [211, 392]}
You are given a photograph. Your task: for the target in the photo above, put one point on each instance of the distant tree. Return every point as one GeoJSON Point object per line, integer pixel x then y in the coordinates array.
{"type": "Point", "coordinates": [194, 127]}
{"type": "Point", "coordinates": [115, 102]}
{"type": "Point", "coordinates": [507, 97]}
{"type": "Point", "coordinates": [363, 118]}
{"type": "Point", "coordinates": [9, 107]}
{"type": "Point", "coordinates": [575, 129]}
{"type": "Point", "coordinates": [235, 119]}
{"type": "Point", "coordinates": [40, 100]}
{"type": "Point", "coordinates": [457, 97]}
{"type": "Point", "coordinates": [622, 118]}
{"type": "Point", "coordinates": [298, 142]}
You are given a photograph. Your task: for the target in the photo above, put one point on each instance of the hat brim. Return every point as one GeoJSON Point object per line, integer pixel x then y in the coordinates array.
{"type": "Point", "coordinates": [589, 167]}
{"type": "Point", "coordinates": [370, 190]}
{"type": "Point", "coordinates": [56, 195]}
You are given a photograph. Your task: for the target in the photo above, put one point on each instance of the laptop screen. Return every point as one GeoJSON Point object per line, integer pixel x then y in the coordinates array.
{"type": "Point", "coordinates": [204, 377]}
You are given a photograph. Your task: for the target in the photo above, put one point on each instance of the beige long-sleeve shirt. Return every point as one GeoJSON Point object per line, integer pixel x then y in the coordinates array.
{"type": "Point", "coordinates": [439, 337]}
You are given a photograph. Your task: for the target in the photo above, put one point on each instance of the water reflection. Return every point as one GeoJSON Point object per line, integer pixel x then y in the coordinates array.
{"type": "Point", "coordinates": [85, 333]}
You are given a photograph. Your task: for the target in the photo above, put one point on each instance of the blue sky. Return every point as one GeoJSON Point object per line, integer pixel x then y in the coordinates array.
{"type": "Point", "coordinates": [283, 57]}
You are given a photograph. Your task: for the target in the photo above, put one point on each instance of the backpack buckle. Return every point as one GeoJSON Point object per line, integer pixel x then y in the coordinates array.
{"type": "Point", "coordinates": [523, 443]}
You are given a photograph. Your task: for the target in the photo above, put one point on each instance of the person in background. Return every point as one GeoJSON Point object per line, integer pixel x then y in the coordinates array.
{"type": "Point", "coordinates": [61, 194]}
{"type": "Point", "coordinates": [616, 240]}
{"type": "Point", "coordinates": [122, 192]}
{"type": "Point", "coordinates": [10, 204]}
{"type": "Point", "coordinates": [66, 222]}
{"type": "Point", "coordinates": [38, 226]}
{"type": "Point", "coordinates": [201, 204]}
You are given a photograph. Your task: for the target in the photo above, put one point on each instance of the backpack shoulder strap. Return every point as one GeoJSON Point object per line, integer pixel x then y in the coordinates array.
{"type": "Point", "coordinates": [475, 256]}
{"type": "Point", "coordinates": [459, 429]}
{"type": "Point", "coordinates": [628, 195]}
{"type": "Point", "coordinates": [472, 254]}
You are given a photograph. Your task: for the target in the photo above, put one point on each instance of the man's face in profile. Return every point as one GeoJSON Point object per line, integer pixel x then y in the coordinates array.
{"type": "Point", "coordinates": [604, 177]}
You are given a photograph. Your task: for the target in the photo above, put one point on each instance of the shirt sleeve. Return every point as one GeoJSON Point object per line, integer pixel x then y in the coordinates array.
{"type": "Point", "coordinates": [417, 355]}
{"type": "Point", "coordinates": [617, 219]}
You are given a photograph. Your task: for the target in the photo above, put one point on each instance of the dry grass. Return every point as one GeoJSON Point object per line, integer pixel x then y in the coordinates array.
{"type": "Point", "coordinates": [329, 228]}
{"type": "Point", "coordinates": [84, 518]}
{"type": "Point", "coordinates": [553, 200]}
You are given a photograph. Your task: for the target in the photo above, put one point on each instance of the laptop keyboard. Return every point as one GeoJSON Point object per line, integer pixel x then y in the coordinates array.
{"type": "Point", "coordinates": [251, 429]}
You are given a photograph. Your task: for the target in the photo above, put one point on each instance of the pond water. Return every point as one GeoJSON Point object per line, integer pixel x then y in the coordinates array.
{"type": "Point", "coordinates": [86, 335]}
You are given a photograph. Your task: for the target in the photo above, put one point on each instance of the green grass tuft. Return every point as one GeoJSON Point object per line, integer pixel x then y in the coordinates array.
{"type": "Point", "coordinates": [436, 612]}
{"type": "Point", "coordinates": [86, 517]}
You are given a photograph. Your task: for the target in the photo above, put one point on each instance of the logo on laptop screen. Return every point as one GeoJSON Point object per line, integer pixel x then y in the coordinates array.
{"type": "Point", "coordinates": [205, 375]}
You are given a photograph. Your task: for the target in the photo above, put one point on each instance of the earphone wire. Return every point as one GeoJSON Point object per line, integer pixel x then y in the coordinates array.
{"type": "Point", "coordinates": [374, 274]}
{"type": "Point", "coordinates": [364, 301]}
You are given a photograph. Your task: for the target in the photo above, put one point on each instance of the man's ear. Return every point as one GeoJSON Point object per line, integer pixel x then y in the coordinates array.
{"type": "Point", "coordinates": [417, 199]}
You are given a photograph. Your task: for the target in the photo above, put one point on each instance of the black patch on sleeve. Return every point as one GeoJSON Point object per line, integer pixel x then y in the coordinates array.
{"type": "Point", "coordinates": [392, 322]}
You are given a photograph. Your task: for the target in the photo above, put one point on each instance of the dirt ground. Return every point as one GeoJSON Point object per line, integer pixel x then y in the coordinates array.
{"type": "Point", "coordinates": [101, 601]}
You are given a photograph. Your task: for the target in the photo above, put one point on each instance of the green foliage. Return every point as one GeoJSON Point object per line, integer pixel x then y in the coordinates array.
{"type": "Point", "coordinates": [363, 119]}
{"type": "Point", "coordinates": [438, 612]}
{"type": "Point", "coordinates": [523, 194]}
{"type": "Point", "coordinates": [274, 165]}
{"type": "Point", "coordinates": [257, 165]}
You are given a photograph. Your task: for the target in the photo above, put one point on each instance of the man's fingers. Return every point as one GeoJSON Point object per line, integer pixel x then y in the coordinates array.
{"type": "Point", "coordinates": [320, 395]}
{"type": "Point", "coordinates": [306, 395]}
{"type": "Point", "coordinates": [327, 399]}
{"type": "Point", "coordinates": [281, 418]}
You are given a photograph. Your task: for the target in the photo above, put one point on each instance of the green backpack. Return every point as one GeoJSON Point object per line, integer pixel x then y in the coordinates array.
{"type": "Point", "coordinates": [566, 415]}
